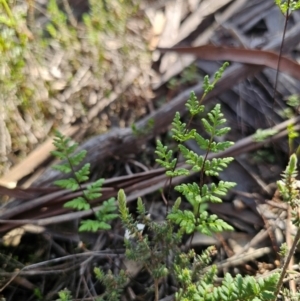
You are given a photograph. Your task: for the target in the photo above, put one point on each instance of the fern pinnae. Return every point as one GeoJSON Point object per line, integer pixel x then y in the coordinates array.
{"type": "Point", "coordinates": [66, 151]}
{"type": "Point", "coordinates": [198, 194]}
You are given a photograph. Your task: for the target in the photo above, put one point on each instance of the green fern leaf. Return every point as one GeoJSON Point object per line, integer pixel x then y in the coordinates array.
{"type": "Point", "coordinates": [77, 158]}
{"type": "Point", "coordinates": [93, 226]}
{"type": "Point", "coordinates": [83, 174]}
{"type": "Point", "coordinates": [180, 133]}
{"type": "Point", "coordinates": [203, 143]}
{"type": "Point", "coordinates": [216, 147]}
{"type": "Point", "coordinates": [70, 149]}
{"type": "Point", "coordinates": [178, 172]}
{"type": "Point", "coordinates": [185, 219]}
{"type": "Point", "coordinates": [67, 184]}
{"type": "Point", "coordinates": [64, 168]}
{"type": "Point", "coordinates": [223, 131]}
{"type": "Point", "coordinates": [58, 154]}
{"type": "Point", "coordinates": [165, 156]}
{"type": "Point", "coordinates": [216, 165]}
{"type": "Point", "coordinates": [78, 203]}
{"type": "Point", "coordinates": [193, 105]}
{"type": "Point", "coordinates": [211, 193]}
{"type": "Point", "coordinates": [92, 191]}
{"type": "Point", "coordinates": [192, 158]}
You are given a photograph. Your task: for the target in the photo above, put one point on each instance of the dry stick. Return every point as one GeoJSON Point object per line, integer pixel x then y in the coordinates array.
{"type": "Point", "coordinates": [242, 258]}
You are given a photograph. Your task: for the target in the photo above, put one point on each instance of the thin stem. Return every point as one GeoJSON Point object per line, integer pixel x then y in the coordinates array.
{"type": "Point", "coordinates": [7, 9]}
{"type": "Point", "coordinates": [280, 50]}
{"type": "Point", "coordinates": [286, 264]}
{"type": "Point", "coordinates": [156, 289]}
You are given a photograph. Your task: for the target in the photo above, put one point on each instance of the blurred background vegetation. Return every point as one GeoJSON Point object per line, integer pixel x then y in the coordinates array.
{"type": "Point", "coordinates": [69, 62]}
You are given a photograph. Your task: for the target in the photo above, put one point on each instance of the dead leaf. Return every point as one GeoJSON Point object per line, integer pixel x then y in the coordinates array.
{"type": "Point", "coordinates": [241, 55]}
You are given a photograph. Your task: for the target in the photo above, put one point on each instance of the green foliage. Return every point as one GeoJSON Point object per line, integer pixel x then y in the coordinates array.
{"type": "Point", "coordinates": [288, 6]}
{"type": "Point", "coordinates": [150, 253]}
{"type": "Point", "coordinates": [104, 215]}
{"type": "Point", "coordinates": [207, 85]}
{"type": "Point", "coordinates": [114, 284]}
{"type": "Point", "coordinates": [65, 295]}
{"type": "Point", "coordinates": [292, 135]}
{"type": "Point", "coordinates": [294, 100]}
{"type": "Point", "coordinates": [239, 288]}
{"type": "Point", "coordinates": [38, 294]}
{"type": "Point", "coordinates": [290, 295]}
{"type": "Point", "coordinates": [195, 280]}
{"type": "Point", "coordinates": [285, 185]}
{"type": "Point", "coordinates": [13, 49]}
{"type": "Point", "coordinates": [58, 27]}
{"type": "Point", "coordinates": [261, 135]}
{"type": "Point", "coordinates": [198, 196]}
{"type": "Point", "coordinates": [289, 188]}
{"type": "Point", "coordinates": [65, 150]}
{"type": "Point", "coordinates": [203, 289]}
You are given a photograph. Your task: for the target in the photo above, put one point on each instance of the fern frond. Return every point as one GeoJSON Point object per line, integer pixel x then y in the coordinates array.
{"type": "Point", "coordinates": [83, 174]}
{"type": "Point", "coordinates": [209, 224]}
{"type": "Point", "coordinates": [165, 156]}
{"type": "Point", "coordinates": [216, 147]}
{"type": "Point", "coordinates": [196, 161]}
{"type": "Point", "coordinates": [191, 191]}
{"type": "Point", "coordinates": [70, 183]}
{"type": "Point", "coordinates": [93, 226]}
{"type": "Point", "coordinates": [93, 191]}
{"type": "Point", "coordinates": [64, 168]}
{"type": "Point", "coordinates": [216, 165]}
{"type": "Point", "coordinates": [177, 172]}
{"type": "Point", "coordinates": [202, 142]}
{"type": "Point", "coordinates": [185, 219]}
{"type": "Point", "coordinates": [105, 212]}
{"type": "Point", "coordinates": [213, 121]}
{"type": "Point", "coordinates": [77, 158]}
{"type": "Point", "coordinates": [193, 105]}
{"type": "Point", "coordinates": [180, 132]}
{"type": "Point", "coordinates": [78, 203]}
{"type": "Point", "coordinates": [211, 192]}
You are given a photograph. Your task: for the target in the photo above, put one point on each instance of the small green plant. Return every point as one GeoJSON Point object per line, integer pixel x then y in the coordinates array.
{"type": "Point", "coordinates": [290, 192]}
{"type": "Point", "coordinates": [64, 295]}
{"type": "Point", "coordinates": [114, 284]}
{"type": "Point", "coordinates": [65, 150]}
{"type": "Point", "coordinates": [198, 194]}
{"type": "Point", "coordinates": [38, 294]}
